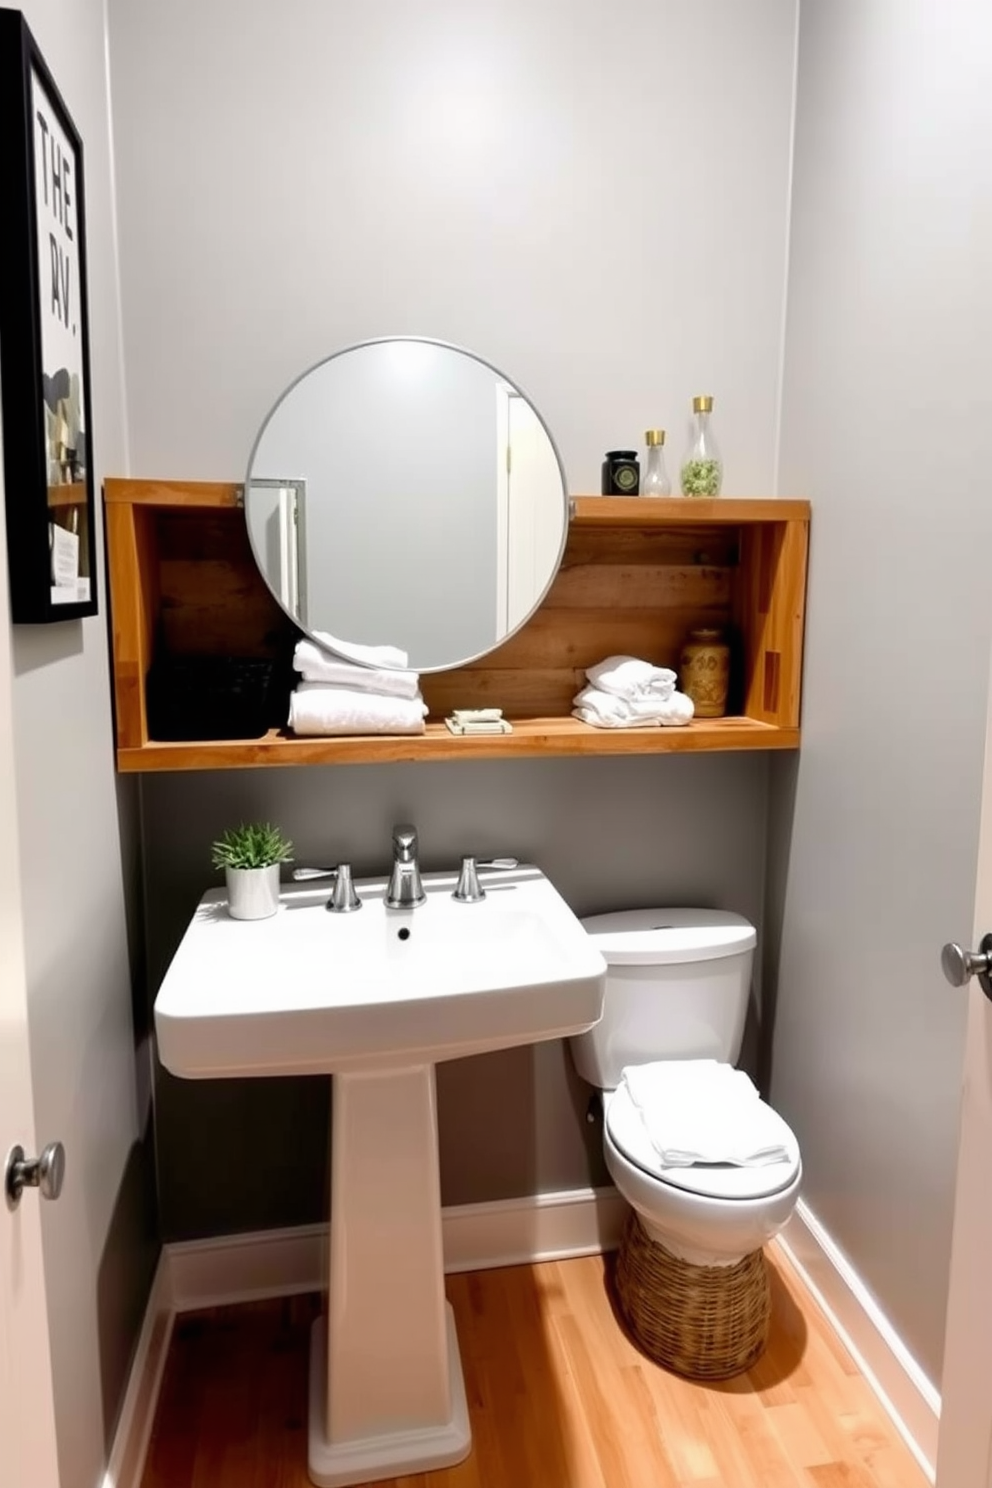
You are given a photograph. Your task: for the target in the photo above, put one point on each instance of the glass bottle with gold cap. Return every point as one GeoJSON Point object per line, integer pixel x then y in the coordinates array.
{"type": "Point", "coordinates": [702, 468]}
{"type": "Point", "coordinates": [655, 480]}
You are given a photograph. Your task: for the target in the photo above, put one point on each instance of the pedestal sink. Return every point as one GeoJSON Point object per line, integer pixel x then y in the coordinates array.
{"type": "Point", "coordinates": [376, 998]}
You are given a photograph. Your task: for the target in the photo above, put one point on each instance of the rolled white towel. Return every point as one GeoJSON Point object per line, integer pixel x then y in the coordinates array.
{"type": "Point", "coordinates": [627, 677]}
{"type": "Point", "coordinates": [316, 709]}
{"type": "Point", "coordinates": [610, 711]}
{"type": "Point", "coordinates": [316, 665]}
{"type": "Point", "coordinates": [371, 656]}
{"type": "Point", "coordinates": [702, 1111]}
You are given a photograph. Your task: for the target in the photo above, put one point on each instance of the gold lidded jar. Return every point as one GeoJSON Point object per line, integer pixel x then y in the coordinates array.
{"type": "Point", "coordinates": [704, 671]}
{"type": "Point", "coordinates": [702, 468]}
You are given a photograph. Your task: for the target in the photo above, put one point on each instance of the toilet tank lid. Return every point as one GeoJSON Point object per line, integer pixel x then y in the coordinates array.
{"type": "Point", "coordinates": [658, 937]}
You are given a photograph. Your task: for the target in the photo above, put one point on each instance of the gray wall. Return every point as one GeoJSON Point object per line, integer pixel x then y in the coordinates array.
{"type": "Point", "coordinates": [885, 426]}
{"type": "Point", "coordinates": [594, 199]}
{"type": "Point", "coordinates": [600, 209]}
{"type": "Point", "coordinates": [99, 1241]}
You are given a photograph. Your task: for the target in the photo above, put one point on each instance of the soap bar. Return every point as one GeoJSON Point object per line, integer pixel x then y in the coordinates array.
{"type": "Point", "coordinates": [466, 726]}
{"type": "Point", "coordinates": [477, 715]}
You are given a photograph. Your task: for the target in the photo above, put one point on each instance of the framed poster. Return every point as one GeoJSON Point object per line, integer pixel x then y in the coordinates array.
{"type": "Point", "coordinates": [44, 342]}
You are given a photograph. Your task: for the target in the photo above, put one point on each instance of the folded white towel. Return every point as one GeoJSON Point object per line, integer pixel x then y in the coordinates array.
{"type": "Point", "coordinates": [315, 709]}
{"type": "Point", "coordinates": [627, 677]}
{"type": "Point", "coordinates": [702, 1111]}
{"type": "Point", "coordinates": [676, 710]}
{"type": "Point", "coordinates": [609, 711]}
{"type": "Point", "coordinates": [588, 715]}
{"type": "Point", "coordinates": [678, 1077]}
{"type": "Point", "coordinates": [606, 710]}
{"type": "Point", "coordinates": [316, 665]}
{"type": "Point", "coordinates": [372, 656]}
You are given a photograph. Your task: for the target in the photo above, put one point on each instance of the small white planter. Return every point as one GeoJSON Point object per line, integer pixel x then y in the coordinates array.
{"type": "Point", "coordinates": [252, 893]}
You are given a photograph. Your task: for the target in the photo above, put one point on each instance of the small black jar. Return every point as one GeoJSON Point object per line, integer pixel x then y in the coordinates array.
{"type": "Point", "coordinates": [621, 473]}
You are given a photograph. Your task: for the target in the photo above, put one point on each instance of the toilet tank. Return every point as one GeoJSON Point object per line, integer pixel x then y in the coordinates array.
{"type": "Point", "coordinates": [677, 987]}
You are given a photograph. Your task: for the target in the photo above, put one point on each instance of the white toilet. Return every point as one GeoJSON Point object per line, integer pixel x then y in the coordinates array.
{"type": "Point", "coordinates": [677, 988]}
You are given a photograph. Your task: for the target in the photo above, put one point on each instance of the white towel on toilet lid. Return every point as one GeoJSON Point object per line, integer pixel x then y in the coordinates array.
{"type": "Point", "coordinates": [703, 1111]}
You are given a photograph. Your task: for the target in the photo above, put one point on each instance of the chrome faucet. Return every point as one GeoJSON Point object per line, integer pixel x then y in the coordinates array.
{"type": "Point", "coordinates": [405, 888]}
{"type": "Point", "coordinates": [345, 898]}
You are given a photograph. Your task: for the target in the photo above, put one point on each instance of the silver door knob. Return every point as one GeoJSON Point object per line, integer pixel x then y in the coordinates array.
{"type": "Point", "coordinates": [46, 1173]}
{"type": "Point", "coordinates": [959, 966]}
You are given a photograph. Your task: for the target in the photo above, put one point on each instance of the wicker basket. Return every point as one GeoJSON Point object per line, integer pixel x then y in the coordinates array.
{"type": "Point", "coordinates": [704, 1322]}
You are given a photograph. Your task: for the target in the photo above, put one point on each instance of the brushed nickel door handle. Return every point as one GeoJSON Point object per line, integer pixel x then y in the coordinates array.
{"type": "Point", "coordinates": [959, 965]}
{"type": "Point", "coordinates": [46, 1173]}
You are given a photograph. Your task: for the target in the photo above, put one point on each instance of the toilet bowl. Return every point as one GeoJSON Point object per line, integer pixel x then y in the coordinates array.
{"type": "Point", "coordinates": [710, 1216]}
{"type": "Point", "coordinates": [677, 987]}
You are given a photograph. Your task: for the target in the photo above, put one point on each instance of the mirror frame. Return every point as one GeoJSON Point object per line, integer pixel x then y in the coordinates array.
{"type": "Point", "coordinates": [473, 356]}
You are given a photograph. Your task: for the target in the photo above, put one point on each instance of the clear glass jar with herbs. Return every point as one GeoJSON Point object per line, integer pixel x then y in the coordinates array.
{"type": "Point", "coordinates": [702, 468]}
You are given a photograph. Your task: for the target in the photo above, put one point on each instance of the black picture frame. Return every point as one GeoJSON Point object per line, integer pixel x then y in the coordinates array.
{"type": "Point", "coordinates": [44, 342]}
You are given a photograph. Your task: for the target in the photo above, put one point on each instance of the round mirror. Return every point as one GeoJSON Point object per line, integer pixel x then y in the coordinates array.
{"type": "Point", "coordinates": [404, 493]}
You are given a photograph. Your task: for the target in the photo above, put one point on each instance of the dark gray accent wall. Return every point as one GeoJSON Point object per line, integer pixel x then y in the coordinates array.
{"type": "Point", "coordinates": [610, 833]}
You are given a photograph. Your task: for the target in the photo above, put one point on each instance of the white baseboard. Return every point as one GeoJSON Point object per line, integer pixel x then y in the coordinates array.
{"type": "Point", "coordinates": [476, 1237]}
{"type": "Point", "coordinates": [277, 1263]}
{"type": "Point", "coordinates": [134, 1428]}
{"type": "Point", "coordinates": [274, 1263]}
{"type": "Point", "coordinates": [246, 1268]}
{"type": "Point", "coordinates": [546, 1227]}
{"type": "Point", "coordinates": [905, 1392]}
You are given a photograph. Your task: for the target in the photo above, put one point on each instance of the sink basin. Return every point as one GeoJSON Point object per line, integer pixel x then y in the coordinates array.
{"type": "Point", "coordinates": [376, 998]}
{"type": "Point", "coordinates": [308, 992]}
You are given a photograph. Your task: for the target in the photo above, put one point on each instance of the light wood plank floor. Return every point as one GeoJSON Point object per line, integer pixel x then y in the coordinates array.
{"type": "Point", "coordinates": [558, 1395]}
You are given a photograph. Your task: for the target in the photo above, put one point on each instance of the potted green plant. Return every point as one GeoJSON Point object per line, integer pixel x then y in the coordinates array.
{"type": "Point", "coordinates": [250, 856]}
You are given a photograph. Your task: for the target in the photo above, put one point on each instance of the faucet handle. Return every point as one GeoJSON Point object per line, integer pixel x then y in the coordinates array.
{"type": "Point", "coordinates": [469, 890]}
{"type": "Point", "coordinates": [404, 843]}
{"type": "Point", "coordinates": [344, 899]}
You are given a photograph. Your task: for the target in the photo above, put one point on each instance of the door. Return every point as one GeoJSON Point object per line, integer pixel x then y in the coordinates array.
{"type": "Point", "coordinates": [528, 506]}
{"type": "Point", "coordinates": [27, 1415]}
{"type": "Point", "coordinates": [964, 1453]}
{"type": "Point", "coordinates": [534, 519]}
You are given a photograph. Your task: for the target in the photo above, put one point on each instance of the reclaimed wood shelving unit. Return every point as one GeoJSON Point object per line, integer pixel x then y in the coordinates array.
{"type": "Point", "coordinates": [636, 576]}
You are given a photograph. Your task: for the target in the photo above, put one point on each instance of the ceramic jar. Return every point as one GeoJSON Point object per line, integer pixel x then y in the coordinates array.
{"type": "Point", "coordinates": [704, 671]}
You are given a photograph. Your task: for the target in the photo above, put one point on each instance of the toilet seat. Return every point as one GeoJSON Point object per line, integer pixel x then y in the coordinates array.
{"type": "Point", "coordinates": [716, 1181]}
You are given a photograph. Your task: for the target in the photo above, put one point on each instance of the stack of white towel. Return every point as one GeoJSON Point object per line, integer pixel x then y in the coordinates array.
{"type": "Point", "coordinates": [624, 692]}
{"type": "Point", "coordinates": [702, 1111]}
{"type": "Point", "coordinates": [348, 689]}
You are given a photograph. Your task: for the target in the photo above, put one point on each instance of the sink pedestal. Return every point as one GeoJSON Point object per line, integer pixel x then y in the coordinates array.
{"type": "Point", "coordinates": [387, 1396]}
{"type": "Point", "coordinates": [376, 1000]}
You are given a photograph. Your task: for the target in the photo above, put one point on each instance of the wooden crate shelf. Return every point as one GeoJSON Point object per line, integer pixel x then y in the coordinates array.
{"type": "Point", "coordinates": [636, 576]}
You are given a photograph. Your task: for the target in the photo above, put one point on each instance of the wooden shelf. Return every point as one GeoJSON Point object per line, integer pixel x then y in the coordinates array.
{"type": "Point", "coordinates": [193, 495]}
{"type": "Point", "coordinates": [677, 511]}
{"type": "Point", "coordinates": [531, 737]}
{"type": "Point", "coordinates": [637, 574]}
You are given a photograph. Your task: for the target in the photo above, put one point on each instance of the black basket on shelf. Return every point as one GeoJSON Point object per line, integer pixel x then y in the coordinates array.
{"type": "Point", "coordinates": [216, 697]}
